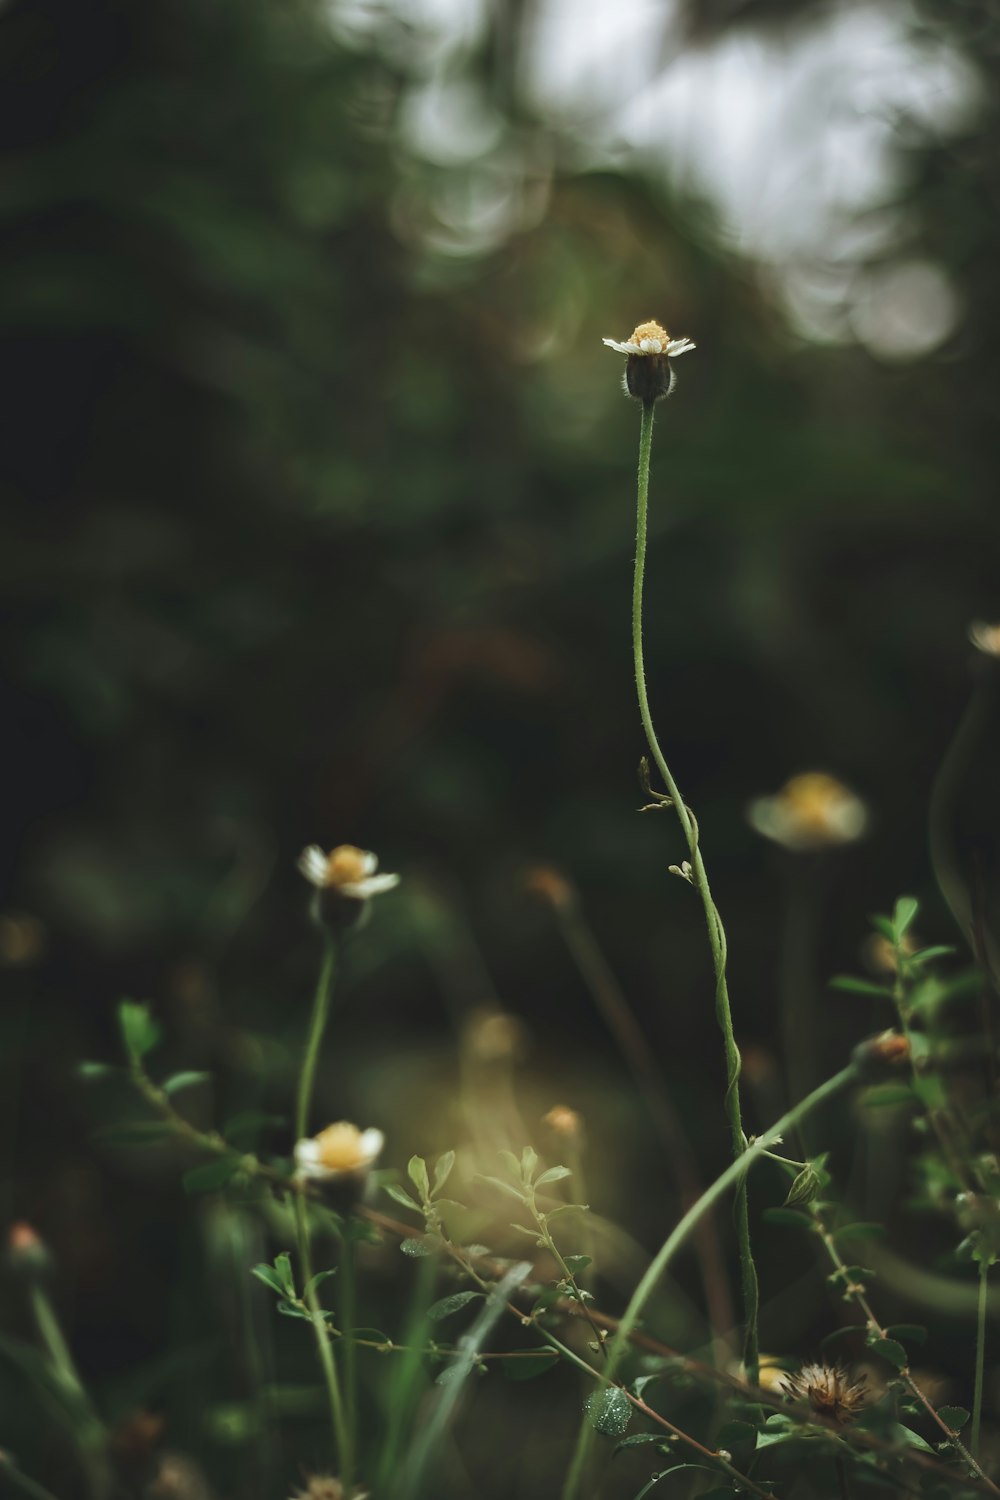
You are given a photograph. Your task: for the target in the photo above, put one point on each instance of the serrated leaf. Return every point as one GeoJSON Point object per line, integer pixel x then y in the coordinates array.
{"type": "Point", "coordinates": [954, 1417]}
{"type": "Point", "coordinates": [416, 1169]}
{"type": "Point", "coordinates": [212, 1176]}
{"type": "Point", "coordinates": [442, 1171]}
{"type": "Point", "coordinates": [554, 1174]}
{"type": "Point", "coordinates": [416, 1248]}
{"type": "Point", "coordinates": [890, 1350]}
{"type": "Point", "coordinates": [400, 1195]}
{"type": "Point", "coordinates": [447, 1305]}
{"type": "Point", "coordinates": [178, 1081]}
{"type": "Point", "coordinates": [140, 1033]}
{"type": "Point", "coordinates": [609, 1411]}
{"type": "Point", "coordinates": [906, 909]}
{"type": "Point", "coordinates": [525, 1368]}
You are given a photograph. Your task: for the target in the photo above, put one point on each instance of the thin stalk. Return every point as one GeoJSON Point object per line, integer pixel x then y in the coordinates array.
{"type": "Point", "coordinates": [716, 933]}
{"type": "Point", "coordinates": [90, 1431]}
{"type": "Point", "coordinates": [317, 1026]}
{"type": "Point", "coordinates": [732, 1176]}
{"type": "Point", "coordinates": [348, 1320]}
{"type": "Point", "coordinates": [977, 1398]}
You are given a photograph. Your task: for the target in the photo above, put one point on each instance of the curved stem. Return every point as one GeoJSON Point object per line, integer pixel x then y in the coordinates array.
{"type": "Point", "coordinates": [317, 1026]}
{"type": "Point", "coordinates": [732, 1176]}
{"type": "Point", "coordinates": [716, 933]}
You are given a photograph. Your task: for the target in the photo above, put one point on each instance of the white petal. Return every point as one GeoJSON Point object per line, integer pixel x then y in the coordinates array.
{"type": "Point", "coordinates": [680, 346]}
{"type": "Point", "coordinates": [371, 1144]}
{"type": "Point", "coordinates": [370, 862]}
{"type": "Point", "coordinates": [651, 346]}
{"type": "Point", "coordinates": [312, 864]}
{"type": "Point", "coordinates": [306, 1151]}
{"type": "Point", "coordinates": [374, 885]}
{"type": "Point", "coordinates": [622, 348]}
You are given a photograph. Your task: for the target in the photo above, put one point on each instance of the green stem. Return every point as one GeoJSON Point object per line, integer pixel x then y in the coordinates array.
{"type": "Point", "coordinates": [90, 1431]}
{"type": "Point", "coordinates": [716, 933]}
{"type": "Point", "coordinates": [732, 1176]}
{"type": "Point", "coordinates": [338, 1416]}
{"type": "Point", "coordinates": [348, 1319]}
{"type": "Point", "coordinates": [317, 1026]}
{"type": "Point", "coordinates": [977, 1399]}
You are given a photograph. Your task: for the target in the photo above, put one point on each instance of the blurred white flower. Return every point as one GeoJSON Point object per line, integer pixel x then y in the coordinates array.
{"type": "Point", "coordinates": [985, 638]}
{"type": "Point", "coordinates": [346, 870]}
{"type": "Point", "coordinates": [811, 811]}
{"type": "Point", "coordinates": [341, 1150]}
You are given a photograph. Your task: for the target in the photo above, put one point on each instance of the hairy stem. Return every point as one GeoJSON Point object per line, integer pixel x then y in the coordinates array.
{"type": "Point", "coordinates": [716, 933]}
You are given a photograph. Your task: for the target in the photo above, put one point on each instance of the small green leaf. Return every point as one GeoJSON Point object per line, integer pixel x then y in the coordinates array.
{"type": "Point", "coordinates": [512, 1163]}
{"type": "Point", "coordinates": [269, 1276]}
{"type": "Point", "coordinates": [577, 1263]}
{"type": "Point", "coordinates": [787, 1218]}
{"type": "Point", "coordinates": [317, 1281]}
{"type": "Point", "coordinates": [525, 1368]}
{"type": "Point", "coordinates": [906, 909]}
{"type": "Point", "coordinates": [852, 986]}
{"type": "Point", "coordinates": [889, 1349]}
{"type": "Point", "coordinates": [954, 1417]}
{"type": "Point", "coordinates": [180, 1081]}
{"type": "Point", "coordinates": [400, 1195]}
{"type": "Point", "coordinates": [896, 1432]}
{"type": "Point", "coordinates": [417, 1170]}
{"type": "Point", "coordinates": [212, 1176]}
{"type": "Point", "coordinates": [637, 1439]}
{"type": "Point", "coordinates": [807, 1186]}
{"type": "Point", "coordinates": [913, 1333]}
{"type": "Point", "coordinates": [554, 1174]}
{"type": "Point", "coordinates": [505, 1187]}
{"type": "Point", "coordinates": [289, 1310]}
{"type": "Point", "coordinates": [609, 1410]}
{"type": "Point", "coordinates": [92, 1071]}
{"type": "Point", "coordinates": [447, 1305]}
{"type": "Point", "coordinates": [529, 1161]}
{"type": "Point", "coordinates": [860, 1231]}
{"type": "Point", "coordinates": [140, 1033]}
{"type": "Point", "coordinates": [283, 1266]}
{"type": "Point", "coordinates": [416, 1248]}
{"type": "Point", "coordinates": [442, 1171]}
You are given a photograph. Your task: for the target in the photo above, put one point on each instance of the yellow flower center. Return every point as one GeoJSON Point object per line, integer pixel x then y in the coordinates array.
{"type": "Point", "coordinates": [340, 1147]}
{"type": "Point", "coordinates": [563, 1121]}
{"type": "Point", "coordinates": [811, 799]}
{"type": "Point", "coordinates": [650, 331]}
{"type": "Point", "coordinates": [345, 866]}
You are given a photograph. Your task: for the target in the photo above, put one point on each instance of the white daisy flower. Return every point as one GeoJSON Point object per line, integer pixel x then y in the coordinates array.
{"type": "Point", "coordinates": [649, 375]}
{"type": "Point", "coordinates": [811, 811]}
{"type": "Point", "coordinates": [346, 870]}
{"type": "Point", "coordinates": [341, 1150]}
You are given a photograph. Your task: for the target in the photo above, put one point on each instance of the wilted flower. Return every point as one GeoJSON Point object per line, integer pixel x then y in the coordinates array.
{"type": "Point", "coordinates": [830, 1390]}
{"type": "Point", "coordinates": [985, 638]}
{"type": "Point", "coordinates": [339, 1151]}
{"type": "Point", "coordinates": [649, 373]}
{"type": "Point", "coordinates": [811, 811]}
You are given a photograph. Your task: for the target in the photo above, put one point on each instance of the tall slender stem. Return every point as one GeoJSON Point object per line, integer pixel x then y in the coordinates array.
{"type": "Point", "coordinates": [317, 1026]}
{"type": "Point", "coordinates": [716, 933]}
{"type": "Point", "coordinates": [977, 1398]}
{"type": "Point", "coordinates": [732, 1176]}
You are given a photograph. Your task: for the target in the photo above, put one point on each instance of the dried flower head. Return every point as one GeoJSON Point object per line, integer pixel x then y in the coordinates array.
{"type": "Point", "coordinates": [649, 374]}
{"type": "Point", "coordinates": [339, 1151]}
{"type": "Point", "coordinates": [830, 1390]}
{"type": "Point", "coordinates": [985, 638]}
{"type": "Point", "coordinates": [564, 1122]}
{"type": "Point", "coordinates": [811, 811]}
{"type": "Point", "coordinates": [549, 885]}
{"type": "Point", "coordinates": [881, 1056]}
